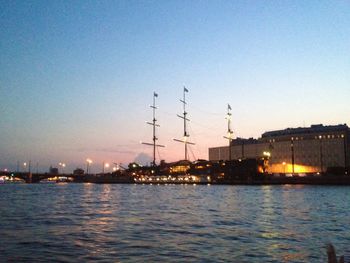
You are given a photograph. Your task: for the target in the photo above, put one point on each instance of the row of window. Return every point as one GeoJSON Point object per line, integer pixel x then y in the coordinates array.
{"type": "Point", "coordinates": [329, 136]}
{"type": "Point", "coordinates": [332, 136]}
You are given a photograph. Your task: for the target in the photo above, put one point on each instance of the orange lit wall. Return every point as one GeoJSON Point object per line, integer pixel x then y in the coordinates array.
{"type": "Point", "coordinates": [288, 168]}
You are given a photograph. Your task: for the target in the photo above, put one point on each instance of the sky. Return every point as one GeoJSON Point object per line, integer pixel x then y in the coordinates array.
{"type": "Point", "coordinates": [77, 77]}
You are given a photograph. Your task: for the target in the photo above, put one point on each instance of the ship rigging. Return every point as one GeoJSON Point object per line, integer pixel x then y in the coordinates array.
{"type": "Point", "coordinates": [229, 136]}
{"type": "Point", "coordinates": [154, 124]}
{"type": "Point", "coordinates": [185, 119]}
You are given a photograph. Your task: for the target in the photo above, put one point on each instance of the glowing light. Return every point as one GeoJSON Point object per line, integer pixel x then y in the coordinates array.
{"type": "Point", "coordinates": [285, 167]}
{"type": "Point", "coordinates": [89, 161]}
{"type": "Point", "coordinates": [107, 165]}
{"type": "Point", "coordinates": [268, 154]}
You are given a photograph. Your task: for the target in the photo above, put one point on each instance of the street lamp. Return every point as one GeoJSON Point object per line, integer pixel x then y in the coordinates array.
{"type": "Point", "coordinates": [267, 154]}
{"type": "Point", "coordinates": [284, 167]}
{"type": "Point", "coordinates": [104, 165]}
{"type": "Point", "coordinates": [62, 165]}
{"type": "Point", "coordinates": [321, 153]}
{"type": "Point", "coordinates": [29, 166]}
{"type": "Point", "coordinates": [88, 163]}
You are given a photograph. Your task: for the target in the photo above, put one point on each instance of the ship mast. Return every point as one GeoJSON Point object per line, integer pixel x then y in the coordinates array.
{"type": "Point", "coordinates": [154, 124]}
{"type": "Point", "coordinates": [229, 136]}
{"type": "Point", "coordinates": [186, 135]}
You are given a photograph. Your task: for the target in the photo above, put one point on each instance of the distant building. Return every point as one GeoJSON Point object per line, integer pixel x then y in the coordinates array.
{"type": "Point", "coordinates": [294, 150]}
{"type": "Point", "coordinates": [53, 170]}
{"type": "Point", "coordinates": [78, 171]}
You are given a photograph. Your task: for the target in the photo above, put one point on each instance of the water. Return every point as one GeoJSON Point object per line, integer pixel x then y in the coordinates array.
{"type": "Point", "coordinates": [172, 223]}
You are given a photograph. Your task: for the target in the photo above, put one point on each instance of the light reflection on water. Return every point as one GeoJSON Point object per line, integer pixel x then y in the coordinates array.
{"type": "Point", "coordinates": [148, 223]}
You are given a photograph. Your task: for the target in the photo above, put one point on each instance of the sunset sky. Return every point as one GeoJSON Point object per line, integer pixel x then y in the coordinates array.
{"type": "Point", "coordinates": [77, 77]}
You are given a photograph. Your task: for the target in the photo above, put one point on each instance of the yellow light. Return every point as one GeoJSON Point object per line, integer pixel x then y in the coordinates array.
{"type": "Point", "coordinates": [288, 168]}
{"type": "Point", "coordinates": [89, 161]}
{"type": "Point", "coordinates": [107, 165]}
{"type": "Point", "coordinates": [268, 154]}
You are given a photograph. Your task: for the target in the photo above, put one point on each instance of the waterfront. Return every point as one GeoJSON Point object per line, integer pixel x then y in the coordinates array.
{"type": "Point", "coordinates": [164, 223]}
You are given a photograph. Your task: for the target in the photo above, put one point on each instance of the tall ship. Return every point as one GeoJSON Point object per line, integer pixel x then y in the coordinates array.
{"type": "Point", "coordinates": [199, 171]}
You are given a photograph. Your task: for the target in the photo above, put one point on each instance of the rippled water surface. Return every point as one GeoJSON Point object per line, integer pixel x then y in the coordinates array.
{"type": "Point", "coordinates": [172, 223]}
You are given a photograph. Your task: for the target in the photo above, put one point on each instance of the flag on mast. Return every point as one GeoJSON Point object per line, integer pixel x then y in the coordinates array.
{"type": "Point", "coordinates": [229, 106]}
{"type": "Point", "coordinates": [185, 90]}
{"type": "Point", "coordinates": [155, 94]}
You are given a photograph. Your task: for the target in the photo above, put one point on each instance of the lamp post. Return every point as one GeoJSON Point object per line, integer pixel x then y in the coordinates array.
{"type": "Point", "coordinates": [321, 153]}
{"type": "Point", "coordinates": [292, 151]}
{"type": "Point", "coordinates": [88, 163]}
{"type": "Point", "coordinates": [266, 158]}
{"type": "Point", "coordinates": [25, 164]}
{"type": "Point", "coordinates": [267, 154]}
{"type": "Point", "coordinates": [345, 151]}
{"type": "Point", "coordinates": [62, 165]}
{"type": "Point", "coordinates": [104, 165]}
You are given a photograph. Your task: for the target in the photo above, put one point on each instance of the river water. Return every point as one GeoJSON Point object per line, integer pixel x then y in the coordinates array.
{"type": "Point", "coordinates": [172, 223]}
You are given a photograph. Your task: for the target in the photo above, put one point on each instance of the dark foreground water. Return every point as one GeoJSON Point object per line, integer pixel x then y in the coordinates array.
{"type": "Point", "coordinates": [180, 223]}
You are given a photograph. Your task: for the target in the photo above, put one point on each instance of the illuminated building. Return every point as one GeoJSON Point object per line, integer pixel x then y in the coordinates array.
{"type": "Point", "coordinates": [294, 150]}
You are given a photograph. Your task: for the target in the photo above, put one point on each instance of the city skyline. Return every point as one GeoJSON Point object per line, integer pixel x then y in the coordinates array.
{"type": "Point", "coordinates": [77, 79]}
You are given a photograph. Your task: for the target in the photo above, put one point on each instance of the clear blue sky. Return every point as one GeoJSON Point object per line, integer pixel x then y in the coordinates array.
{"type": "Point", "coordinates": [77, 77]}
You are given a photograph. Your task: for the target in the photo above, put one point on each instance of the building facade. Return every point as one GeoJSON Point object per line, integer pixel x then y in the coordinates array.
{"type": "Point", "coordinates": [294, 150]}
